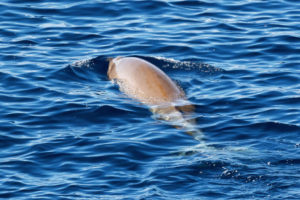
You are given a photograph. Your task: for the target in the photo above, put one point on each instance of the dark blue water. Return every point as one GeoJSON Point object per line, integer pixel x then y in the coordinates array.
{"type": "Point", "coordinates": [66, 132]}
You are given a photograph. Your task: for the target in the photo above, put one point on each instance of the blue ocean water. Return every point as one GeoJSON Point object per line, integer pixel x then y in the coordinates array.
{"type": "Point", "coordinates": [66, 132]}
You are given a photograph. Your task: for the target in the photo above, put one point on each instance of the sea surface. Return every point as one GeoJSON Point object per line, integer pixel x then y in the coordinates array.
{"type": "Point", "coordinates": [67, 132]}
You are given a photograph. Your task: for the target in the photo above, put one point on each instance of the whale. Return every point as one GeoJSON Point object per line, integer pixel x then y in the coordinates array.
{"type": "Point", "coordinates": [148, 84]}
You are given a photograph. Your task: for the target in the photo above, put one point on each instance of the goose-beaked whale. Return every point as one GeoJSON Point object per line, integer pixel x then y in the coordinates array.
{"type": "Point", "coordinates": [148, 84]}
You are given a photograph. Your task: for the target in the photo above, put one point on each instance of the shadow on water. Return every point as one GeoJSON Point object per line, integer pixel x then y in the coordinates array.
{"type": "Point", "coordinates": [92, 69]}
{"type": "Point", "coordinates": [99, 66]}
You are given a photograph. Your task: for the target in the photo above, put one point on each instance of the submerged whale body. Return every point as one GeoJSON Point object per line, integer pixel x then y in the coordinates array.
{"type": "Point", "coordinates": [146, 83]}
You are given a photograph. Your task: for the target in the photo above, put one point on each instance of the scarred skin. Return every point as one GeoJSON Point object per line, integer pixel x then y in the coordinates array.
{"type": "Point", "coordinates": [148, 84]}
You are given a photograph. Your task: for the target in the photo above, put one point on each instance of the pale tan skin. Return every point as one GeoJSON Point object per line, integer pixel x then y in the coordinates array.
{"type": "Point", "coordinates": [148, 84]}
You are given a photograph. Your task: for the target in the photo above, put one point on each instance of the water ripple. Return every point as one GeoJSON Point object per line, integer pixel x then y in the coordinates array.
{"type": "Point", "coordinates": [67, 132]}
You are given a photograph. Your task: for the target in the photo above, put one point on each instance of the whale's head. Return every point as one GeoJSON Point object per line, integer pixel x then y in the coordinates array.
{"type": "Point", "coordinates": [149, 85]}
